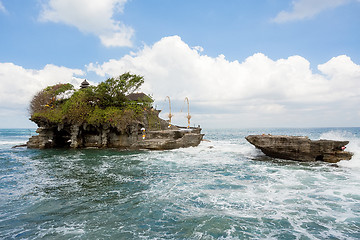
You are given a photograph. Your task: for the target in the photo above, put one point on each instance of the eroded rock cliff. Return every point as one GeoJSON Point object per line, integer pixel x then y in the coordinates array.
{"type": "Point", "coordinates": [136, 135]}
{"type": "Point", "coordinates": [300, 148]}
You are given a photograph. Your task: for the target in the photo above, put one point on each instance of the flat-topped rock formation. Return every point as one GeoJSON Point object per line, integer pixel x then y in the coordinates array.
{"type": "Point", "coordinates": [90, 137]}
{"type": "Point", "coordinates": [170, 139]}
{"type": "Point", "coordinates": [300, 148]}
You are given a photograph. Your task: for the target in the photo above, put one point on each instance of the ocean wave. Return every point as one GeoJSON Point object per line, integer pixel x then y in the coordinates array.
{"type": "Point", "coordinates": [353, 146]}
{"type": "Point", "coordinates": [213, 191]}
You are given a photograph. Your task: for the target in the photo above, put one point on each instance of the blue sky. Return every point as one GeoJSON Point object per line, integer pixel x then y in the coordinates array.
{"type": "Point", "coordinates": [266, 63]}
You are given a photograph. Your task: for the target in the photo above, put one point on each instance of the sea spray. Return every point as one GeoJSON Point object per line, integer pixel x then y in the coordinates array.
{"type": "Point", "coordinates": [353, 146]}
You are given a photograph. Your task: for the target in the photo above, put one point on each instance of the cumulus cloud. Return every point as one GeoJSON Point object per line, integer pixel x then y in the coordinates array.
{"type": "Point", "coordinates": [91, 16]}
{"type": "Point", "coordinates": [170, 66]}
{"type": "Point", "coordinates": [258, 91]}
{"type": "Point", "coordinates": [344, 75]}
{"type": "Point", "coordinates": [305, 9]}
{"type": "Point", "coordinates": [18, 85]}
{"type": "Point", "coordinates": [273, 87]}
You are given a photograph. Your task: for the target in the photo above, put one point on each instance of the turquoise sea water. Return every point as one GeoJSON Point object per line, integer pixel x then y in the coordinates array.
{"type": "Point", "coordinates": [222, 189]}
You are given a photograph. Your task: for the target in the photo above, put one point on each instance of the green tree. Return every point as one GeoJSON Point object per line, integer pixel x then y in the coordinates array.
{"type": "Point", "coordinates": [106, 103]}
{"type": "Point", "coordinates": [48, 97]}
{"type": "Point", "coordinates": [113, 91]}
{"type": "Point", "coordinates": [78, 108]}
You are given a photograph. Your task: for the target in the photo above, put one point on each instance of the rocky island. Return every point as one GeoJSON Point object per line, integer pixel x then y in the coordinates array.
{"type": "Point", "coordinates": [300, 148]}
{"type": "Point", "coordinates": [109, 115]}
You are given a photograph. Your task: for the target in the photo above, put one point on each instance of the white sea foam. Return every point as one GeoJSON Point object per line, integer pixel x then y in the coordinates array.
{"type": "Point", "coordinates": [67, 230]}
{"type": "Point", "coordinates": [12, 143]}
{"type": "Point", "coordinates": [353, 146]}
{"type": "Point", "coordinates": [214, 191]}
{"type": "Point", "coordinates": [214, 151]}
{"type": "Point", "coordinates": [292, 194]}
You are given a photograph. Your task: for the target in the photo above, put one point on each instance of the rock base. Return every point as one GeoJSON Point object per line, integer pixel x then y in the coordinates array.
{"type": "Point", "coordinates": [94, 137]}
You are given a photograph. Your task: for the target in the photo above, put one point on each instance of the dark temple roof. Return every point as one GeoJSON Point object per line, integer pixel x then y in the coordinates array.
{"type": "Point", "coordinates": [136, 96]}
{"type": "Point", "coordinates": [84, 84]}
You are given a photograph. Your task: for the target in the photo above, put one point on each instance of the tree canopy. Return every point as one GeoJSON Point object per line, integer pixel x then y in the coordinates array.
{"type": "Point", "coordinates": [48, 96]}
{"type": "Point", "coordinates": [113, 91]}
{"type": "Point", "coordinates": [105, 103]}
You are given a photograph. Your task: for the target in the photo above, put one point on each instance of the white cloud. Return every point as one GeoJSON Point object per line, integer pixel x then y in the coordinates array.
{"type": "Point", "coordinates": [18, 85]}
{"type": "Point", "coordinates": [344, 75]}
{"type": "Point", "coordinates": [2, 8]}
{"type": "Point", "coordinates": [256, 92]}
{"type": "Point", "coordinates": [305, 9]}
{"type": "Point", "coordinates": [170, 66]}
{"type": "Point", "coordinates": [91, 16]}
{"type": "Point", "coordinates": [258, 85]}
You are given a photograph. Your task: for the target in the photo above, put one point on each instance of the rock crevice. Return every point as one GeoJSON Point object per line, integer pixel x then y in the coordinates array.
{"type": "Point", "coordinates": [76, 137]}
{"type": "Point", "coordinates": [159, 137]}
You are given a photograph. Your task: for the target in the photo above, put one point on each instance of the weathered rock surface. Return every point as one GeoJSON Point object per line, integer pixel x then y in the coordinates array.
{"type": "Point", "coordinates": [87, 136]}
{"type": "Point", "coordinates": [91, 137]}
{"type": "Point", "coordinates": [300, 148]}
{"type": "Point", "coordinates": [158, 135]}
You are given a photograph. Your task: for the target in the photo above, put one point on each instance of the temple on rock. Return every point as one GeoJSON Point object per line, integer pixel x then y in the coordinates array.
{"type": "Point", "coordinates": [109, 115]}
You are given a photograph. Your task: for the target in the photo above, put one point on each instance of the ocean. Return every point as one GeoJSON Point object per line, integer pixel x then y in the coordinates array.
{"type": "Point", "coordinates": [222, 189]}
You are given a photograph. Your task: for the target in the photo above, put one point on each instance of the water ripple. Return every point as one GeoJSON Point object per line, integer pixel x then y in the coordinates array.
{"type": "Point", "coordinates": [223, 189]}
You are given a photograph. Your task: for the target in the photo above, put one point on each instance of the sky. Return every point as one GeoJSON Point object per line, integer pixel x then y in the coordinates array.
{"type": "Point", "coordinates": [241, 63]}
